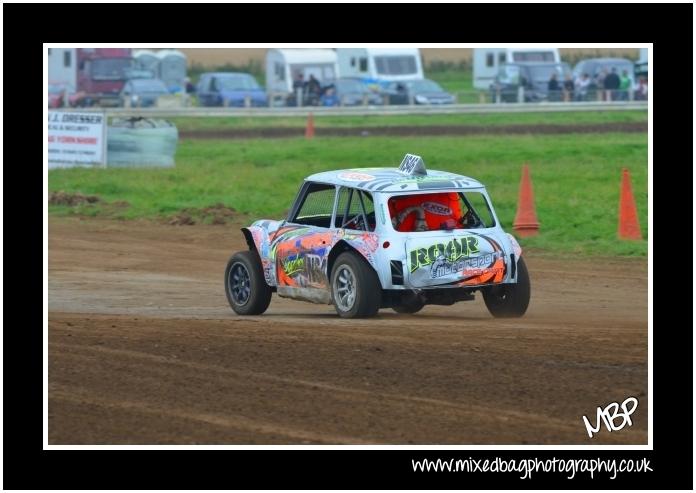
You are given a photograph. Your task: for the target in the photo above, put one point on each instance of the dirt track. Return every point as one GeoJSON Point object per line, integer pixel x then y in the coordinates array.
{"type": "Point", "coordinates": [144, 349]}
{"type": "Point", "coordinates": [416, 131]}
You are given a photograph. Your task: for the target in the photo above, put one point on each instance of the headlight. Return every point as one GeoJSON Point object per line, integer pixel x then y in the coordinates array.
{"type": "Point", "coordinates": [421, 99]}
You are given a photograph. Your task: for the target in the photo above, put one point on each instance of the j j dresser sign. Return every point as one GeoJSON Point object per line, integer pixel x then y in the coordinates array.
{"type": "Point", "coordinates": [76, 139]}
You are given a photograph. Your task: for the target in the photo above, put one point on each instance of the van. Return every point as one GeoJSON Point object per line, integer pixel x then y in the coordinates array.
{"type": "Point", "coordinates": [487, 61]}
{"type": "Point", "coordinates": [380, 64]}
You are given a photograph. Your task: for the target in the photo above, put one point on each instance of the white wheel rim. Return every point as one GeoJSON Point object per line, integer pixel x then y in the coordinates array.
{"type": "Point", "coordinates": [344, 288]}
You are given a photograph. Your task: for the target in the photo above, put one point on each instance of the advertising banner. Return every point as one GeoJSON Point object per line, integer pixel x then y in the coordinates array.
{"type": "Point", "coordinates": [76, 139]}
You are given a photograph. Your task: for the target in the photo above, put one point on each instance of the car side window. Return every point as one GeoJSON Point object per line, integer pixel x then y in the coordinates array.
{"type": "Point", "coordinates": [316, 207]}
{"type": "Point", "coordinates": [355, 210]}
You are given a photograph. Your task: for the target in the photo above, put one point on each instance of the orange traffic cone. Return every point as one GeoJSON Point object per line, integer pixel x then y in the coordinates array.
{"type": "Point", "coordinates": [526, 222]}
{"type": "Point", "coordinates": [629, 229]}
{"type": "Point", "coordinates": [309, 131]}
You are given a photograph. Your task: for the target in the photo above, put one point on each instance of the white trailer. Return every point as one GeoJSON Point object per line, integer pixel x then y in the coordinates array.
{"type": "Point", "coordinates": [283, 66]}
{"type": "Point", "coordinates": [62, 67]}
{"type": "Point", "coordinates": [386, 64]}
{"type": "Point", "coordinates": [487, 61]}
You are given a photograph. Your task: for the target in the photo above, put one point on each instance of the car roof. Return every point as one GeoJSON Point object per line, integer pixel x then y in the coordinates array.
{"type": "Point", "coordinates": [388, 180]}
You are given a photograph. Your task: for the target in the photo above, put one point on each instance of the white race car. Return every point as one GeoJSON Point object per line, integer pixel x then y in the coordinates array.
{"type": "Point", "coordinates": [371, 238]}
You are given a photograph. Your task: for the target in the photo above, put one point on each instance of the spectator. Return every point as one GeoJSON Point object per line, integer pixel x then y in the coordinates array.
{"type": "Point", "coordinates": [641, 92]}
{"type": "Point", "coordinates": [569, 88]}
{"type": "Point", "coordinates": [599, 82]}
{"type": "Point", "coordinates": [313, 86]}
{"type": "Point", "coordinates": [190, 88]}
{"type": "Point", "coordinates": [582, 86]}
{"type": "Point", "coordinates": [298, 83]}
{"type": "Point", "coordinates": [612, 82]}
{"type": "Point", "coordinates": [554, 88]}
{"type": "Point", "coordinates": [330, 98]}
{"type": "Point", "coordinates": [625, 85]}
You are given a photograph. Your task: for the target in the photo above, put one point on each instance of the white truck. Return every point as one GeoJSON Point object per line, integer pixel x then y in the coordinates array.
{"type": "Point", "coordinates": [487, 61]}
{"type": "Point", "coordinates": [284, 65]}
{"type": "Point", "coordinates": [385, 64]}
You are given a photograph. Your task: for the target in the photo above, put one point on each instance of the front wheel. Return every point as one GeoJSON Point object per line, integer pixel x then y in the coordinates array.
{"type": "Point", "coordinates": [509, 300]}
{"type": "Point", "coordinates": [245, 286]}
{"type": "Point", "coordinates": [355, 288]}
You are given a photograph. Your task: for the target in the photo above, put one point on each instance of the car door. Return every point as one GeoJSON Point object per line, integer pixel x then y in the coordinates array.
{"type": "Point", "coordinates": [302, 245]}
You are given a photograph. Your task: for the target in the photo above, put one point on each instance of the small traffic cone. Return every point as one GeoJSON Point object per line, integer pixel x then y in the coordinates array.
{"type": "Point", "coordinates": [629, 229]}
{"type": "Point", "coordinates": [309, 131]}
{"type": "Point", "coordinates": [526, 222]}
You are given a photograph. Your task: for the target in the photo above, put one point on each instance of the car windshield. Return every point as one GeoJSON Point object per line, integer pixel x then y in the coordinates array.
{"type": "Point", "coordinates": [620, 66]}
{"type": "Point", "coordinates": [345, 86]}
{"type": "Point", "coordinates": [110, 68]}
{"type": "Point", "coordinates": [240, 83]}
{"type": "Point", "coordinates": [396, 65]}
{"type": "Point", "coordinates": [424, 85]}
{"type": "Point", "coordinates": [542, 73]}
{"type": "Point", "coordinates": [149, 85]}
{"type": "Point", "coordinates": [55, 88]}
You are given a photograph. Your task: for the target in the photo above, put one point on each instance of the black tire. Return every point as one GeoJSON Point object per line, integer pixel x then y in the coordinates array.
{"type": "Point", "coordinates": [352, 270]}
{"type": "Point", "coordinates": [408, 309]}
{"type": "Point", "coordinates": [510, 300]}
{"type": "Point", "coordinates": [250, 297]}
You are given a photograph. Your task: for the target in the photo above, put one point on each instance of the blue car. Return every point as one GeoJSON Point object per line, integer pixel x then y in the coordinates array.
{"type": "Point", "coordinates": [230, 89]}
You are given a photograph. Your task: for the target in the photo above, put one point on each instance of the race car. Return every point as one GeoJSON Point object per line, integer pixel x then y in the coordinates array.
{"type": "Point", "coordinates": [370, 238]}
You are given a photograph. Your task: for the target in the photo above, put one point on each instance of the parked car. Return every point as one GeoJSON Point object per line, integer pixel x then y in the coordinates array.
{"type": "Point", "coordinates": [371, 238]}
{"type": "Point", "coordinates": [352, 92]}
{"type": "Point", "coordinates": [142, 92]}
{"type": "Point", "coordinates": [593, 66]}
{"type": "Point", "coordinates": [57, 94]}
{"type": "Point", "coordinates": [230, 89]}
{"type": "Point", "coordinates": [422, 91]}
{"type": "Point", "coordinates": [533, 77]}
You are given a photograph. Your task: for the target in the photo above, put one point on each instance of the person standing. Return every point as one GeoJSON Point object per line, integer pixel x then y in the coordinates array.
{"type": "Point", "coordinates": [599, 81]}
{"type": "Point", "coordinates": [582, 86]}
{"type": "Point", "coordinates": [612, 83]}
{"type": "Point", "coordinates": [554, 88]}
{"type": "Point", "coordinates": [625, 85]}
{"type": "Point", "coordinates": [569, 88]}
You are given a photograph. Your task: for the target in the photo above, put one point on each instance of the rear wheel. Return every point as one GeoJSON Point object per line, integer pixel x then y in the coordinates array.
{"type": "Point", "coordinates": [245, 286]}
{"type": "Point", "coordinates": [509, 300]}
{"type": "Point", "coordinates": [355, 288]}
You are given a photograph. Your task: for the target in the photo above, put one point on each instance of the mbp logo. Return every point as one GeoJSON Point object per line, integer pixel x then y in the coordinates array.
{"type": "Point", "coordinates": [609, 415]}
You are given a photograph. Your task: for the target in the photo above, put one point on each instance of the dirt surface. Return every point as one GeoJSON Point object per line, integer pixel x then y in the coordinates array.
{"type": "Point", "coordinates": [408, 131]}
{"type": "Point", "coordinates": [143, 349]}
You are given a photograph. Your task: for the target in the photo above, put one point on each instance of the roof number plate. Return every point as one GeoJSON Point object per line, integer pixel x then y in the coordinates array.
{"type": "Point", "coordinates": [413, 165]}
